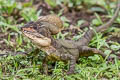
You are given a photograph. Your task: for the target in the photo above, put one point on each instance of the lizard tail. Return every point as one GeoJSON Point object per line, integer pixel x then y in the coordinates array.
{"type": "Point", "coordinates": [90, 33]}
{"type": "Point", "coordinates": [110, 22]}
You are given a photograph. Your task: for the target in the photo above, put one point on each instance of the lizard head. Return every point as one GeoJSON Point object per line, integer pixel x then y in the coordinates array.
{"type": "Point", "coordinates": [30, 31]}
{"type": "Point", "coordinates": [40, 31]}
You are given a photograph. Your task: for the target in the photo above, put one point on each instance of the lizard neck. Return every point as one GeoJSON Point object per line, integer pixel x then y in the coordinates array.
{"type": "Point", "coordinates": [54, 43]}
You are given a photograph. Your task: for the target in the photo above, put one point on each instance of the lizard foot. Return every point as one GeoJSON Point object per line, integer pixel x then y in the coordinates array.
{"type": "Point", "coordinates": [112, 59]}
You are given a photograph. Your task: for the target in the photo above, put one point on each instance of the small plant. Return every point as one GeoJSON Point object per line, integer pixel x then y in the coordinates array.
{"type": "Point", "coordinates": [98, 41]}
{"type": "Point", "coordinates": [29, 14]}
{"type": "Point", "coordinates": [66, 21]}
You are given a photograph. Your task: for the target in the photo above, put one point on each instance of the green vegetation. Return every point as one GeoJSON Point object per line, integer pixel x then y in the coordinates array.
{"type": "Point", "coordinates": [14, 14]}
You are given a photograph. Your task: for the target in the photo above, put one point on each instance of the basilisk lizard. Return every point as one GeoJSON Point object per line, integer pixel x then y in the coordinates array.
{"type": "Point", "coordinates": [40, 33]}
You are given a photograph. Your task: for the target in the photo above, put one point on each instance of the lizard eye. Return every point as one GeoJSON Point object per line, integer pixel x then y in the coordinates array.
{"type": "Point", "coordinates": [35, 27]}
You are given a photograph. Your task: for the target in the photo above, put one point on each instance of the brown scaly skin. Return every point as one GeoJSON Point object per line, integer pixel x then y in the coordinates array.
{"type": "Point", "coordinates": [65, 50]}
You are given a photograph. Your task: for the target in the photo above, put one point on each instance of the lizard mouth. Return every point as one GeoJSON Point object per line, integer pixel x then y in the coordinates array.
{"type": "Point", "coordinates": [37, 38]}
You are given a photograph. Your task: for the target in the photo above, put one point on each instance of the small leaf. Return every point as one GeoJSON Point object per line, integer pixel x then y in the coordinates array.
{"type": "Point", "coordinates": [114, 47]}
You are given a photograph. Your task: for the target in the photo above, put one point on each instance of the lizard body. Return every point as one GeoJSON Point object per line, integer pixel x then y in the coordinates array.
{"type": "Point", "coordinates": [40, 33]}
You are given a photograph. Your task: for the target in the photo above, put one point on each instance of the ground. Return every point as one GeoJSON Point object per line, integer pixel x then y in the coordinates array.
{"type": "Point", "coordinates": [77, 16]}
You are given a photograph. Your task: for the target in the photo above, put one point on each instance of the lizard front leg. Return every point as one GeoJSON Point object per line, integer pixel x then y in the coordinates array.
{"type": "Point", "coordinates": [72, 62]}
{"type": "Point", "coordinates": [45, 66]}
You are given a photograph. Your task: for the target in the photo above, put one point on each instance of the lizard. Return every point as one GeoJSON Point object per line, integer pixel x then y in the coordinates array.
{"type": "Point", "coordinates": [40, 33]}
